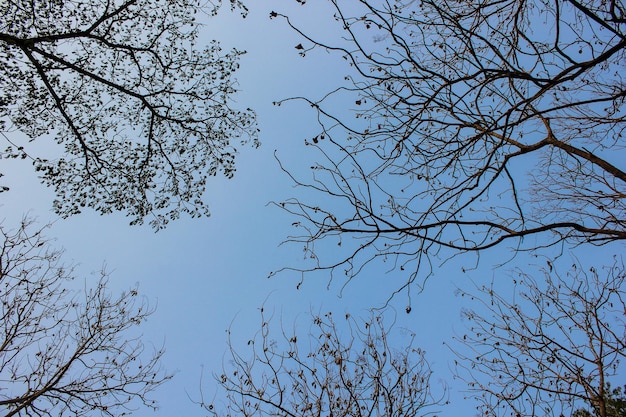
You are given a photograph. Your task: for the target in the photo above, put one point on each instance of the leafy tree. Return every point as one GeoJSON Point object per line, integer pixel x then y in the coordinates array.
{"type": "Point", "coordinates": [66, 352]}
{"type": "Point", "coordinates": [615, 404]}
{"type": "Point", "coordinates": [473, 125]}
{"type": "Point", "coordinates": [141, 114]}
{"type": "Point", "coordinates": [551, 348]}
{"type": "Point", "coordinates": [334, 370]}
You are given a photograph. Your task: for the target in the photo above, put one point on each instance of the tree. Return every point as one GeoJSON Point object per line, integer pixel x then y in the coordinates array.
{"type": "Point", "coordinates": [474, 125]}
{"type": "Point", "coordinates": [66, 352]}
{"type": "Point", "coordinates": [552, 348]}
{"type": "Point", "coordinates": [615, 404]}
{"type": "Point", "coordinates": [141, 115]}
{"type": "Point", "coordinates": [332, 371]}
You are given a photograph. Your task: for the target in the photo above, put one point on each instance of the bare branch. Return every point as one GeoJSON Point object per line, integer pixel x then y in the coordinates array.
{"type": "Point", "coordinates": [472, 126]}
{"type": "Point", "coordinates": [551, 347]}
{"type": "Point", "coordinates": [337, 369]}
{"type": "Point", "coordinates": [67, 352]}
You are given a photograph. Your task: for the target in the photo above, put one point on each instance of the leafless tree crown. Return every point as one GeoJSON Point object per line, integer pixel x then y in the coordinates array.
{"type": "Point", "coordinates": [335, 370]}
{"type": "Point", "coordinates": [470, 125]}
{"type": "Point", "coordinates": [65, 352]}
{"type": "Point", "coordinates": [555, 346]}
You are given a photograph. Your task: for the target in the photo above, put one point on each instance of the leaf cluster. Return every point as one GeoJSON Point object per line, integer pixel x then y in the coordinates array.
{"type": "Point", "coordinates": [141, 113]}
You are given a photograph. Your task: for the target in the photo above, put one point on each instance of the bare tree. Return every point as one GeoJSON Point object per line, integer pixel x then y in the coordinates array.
{"type": "Point", "coordinates": [66, 352]}
{"type": "Point", "coordinates": [140, 112]}
{"type": "Point", "coordinates": [472, 125]}
{"type": "Point", "coordinates": [335, 370]}
{"type": "Point", "coordinates": [551, 348]}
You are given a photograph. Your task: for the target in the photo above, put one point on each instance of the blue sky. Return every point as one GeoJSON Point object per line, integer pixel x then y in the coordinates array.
{"type": "Point", "coordinates": [205, 274]}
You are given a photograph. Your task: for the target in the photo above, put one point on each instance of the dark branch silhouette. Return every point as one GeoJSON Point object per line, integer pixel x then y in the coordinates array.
{"type": "Point", "coordinates": [66, 352]}
{"type": "Point", "coordinates": [471, 126]}
{"type": "Point", "coordinates": [553, 347]}
{"type": "Point", "coordinates": [142, 115]}
{"type": "Point", "coordinates": [338, 369]}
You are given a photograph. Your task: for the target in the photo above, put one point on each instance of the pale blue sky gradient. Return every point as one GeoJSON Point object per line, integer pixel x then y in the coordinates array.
{"type": "Point", "coordinates": [204, 274]}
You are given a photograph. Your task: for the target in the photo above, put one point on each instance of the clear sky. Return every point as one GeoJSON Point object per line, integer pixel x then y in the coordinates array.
{"type": "Point", "coordinates": [205, 274]}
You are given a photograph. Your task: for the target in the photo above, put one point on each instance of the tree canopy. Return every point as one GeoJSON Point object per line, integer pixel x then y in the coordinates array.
{"type": "Point", "coordinates": [553, 346]}
{"type": "Point", "coordinates": [140, 110]}
{"type": "Point", "coordinates": [472, 125]}
{"type": "Point", "coordinates": [64, 351]}
{"type": "Point", "coordinates": [339, 368]}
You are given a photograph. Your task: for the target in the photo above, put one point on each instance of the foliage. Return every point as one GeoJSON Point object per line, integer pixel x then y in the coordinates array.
{"type": "Point", "coordinates": [66, 352]}
{"type": "Point", "coordinates": [142, 115]}
{"type": "Point", "coordinates": [615, 404]}
{"type": "Point", "coordinates": [334, 370]}
{"type": "Point", "coordinates": [551, 348]}
{"type": "Point", "coordinates": [473, 125]}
